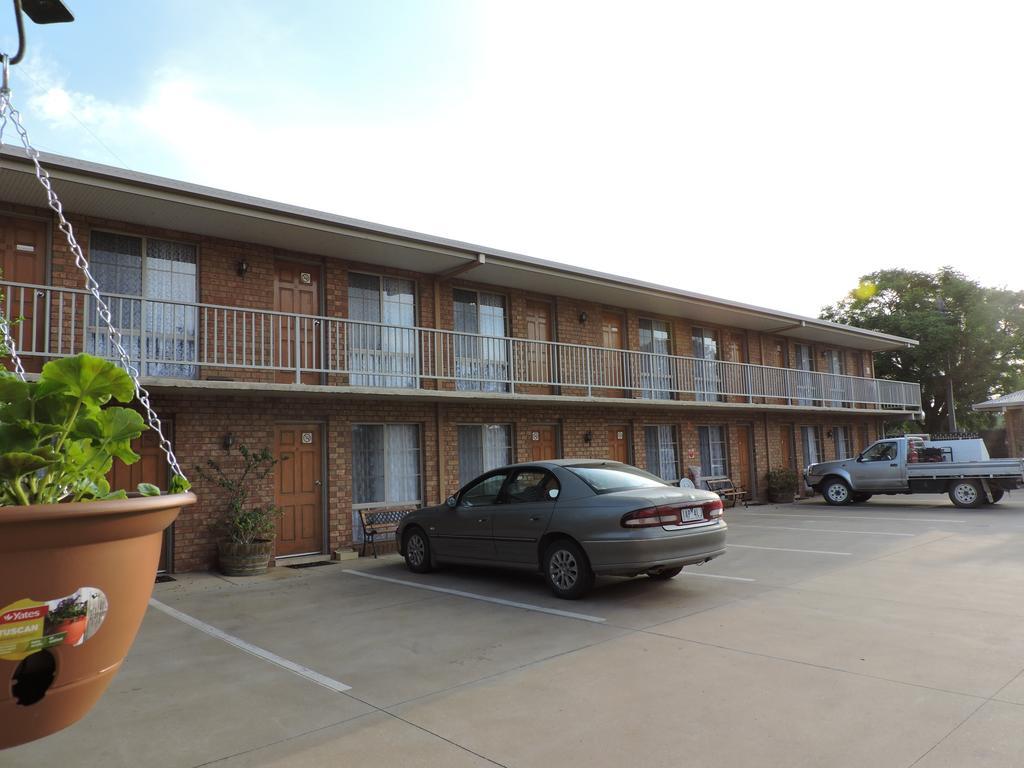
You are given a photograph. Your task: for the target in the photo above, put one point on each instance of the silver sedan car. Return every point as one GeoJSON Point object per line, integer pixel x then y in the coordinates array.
{"type": "Point", "coordinates": [571, 519]}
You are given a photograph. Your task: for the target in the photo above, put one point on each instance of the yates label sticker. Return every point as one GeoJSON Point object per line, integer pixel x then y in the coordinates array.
{"type": "Point", "coordinates": [27, 626]}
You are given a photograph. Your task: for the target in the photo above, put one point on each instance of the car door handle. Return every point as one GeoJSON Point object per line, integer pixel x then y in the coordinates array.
{"type": "Point", "coordinates": [481, 519]}
{"type": "Point", "coordinates": [534, 518]}
{"type": "Point", "coordinates": [894, 465]}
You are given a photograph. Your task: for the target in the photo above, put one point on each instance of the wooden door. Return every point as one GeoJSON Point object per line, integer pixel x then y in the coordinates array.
{"type": "Point", "coordinates": [618, 443]}
{"type": "Point", "coordinates": [297, 292]}
{"type": "Point", "coordinates": [543, 443]}
{"type": "Point", "coordinates": [299, 489]}
{"type": "Point", "coordinates": [151, 468]}
{"type": "Point", "coordinates": [742, 461]}
{"type": "Point", "coordinates": [538, 358]}
{"type": "Point", "coordinates": [613, 368]}
{"type": "Point", "coordinates": [788, 447]}
{"type": "Point", "coordinates": [23, 260]}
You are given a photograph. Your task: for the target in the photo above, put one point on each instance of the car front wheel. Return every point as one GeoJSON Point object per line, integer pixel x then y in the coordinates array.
{"type": "Point", "coordinates": [417, 551]}
{"type": "Point", "coordinates": [567, 570]}
{"type": "Point", "coordinates": [836, 492]}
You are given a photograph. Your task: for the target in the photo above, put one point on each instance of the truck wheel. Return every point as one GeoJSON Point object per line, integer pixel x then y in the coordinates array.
{"type": "Point", "coordinates": [966, 494]}
{"type": "Point", "coordinates": [836, 492]}
{"type": "Point", "coordinates": [860, 498]}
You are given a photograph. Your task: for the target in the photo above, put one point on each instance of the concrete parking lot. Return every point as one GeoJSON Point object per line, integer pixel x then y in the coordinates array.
{"type": "Point", "coordinates": [885, 634]}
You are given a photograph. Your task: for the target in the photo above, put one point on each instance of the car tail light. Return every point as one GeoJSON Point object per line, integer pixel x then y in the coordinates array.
{"type": "Point", "coordinates": [651, 516]}
{"type": "Point", "coordinates": [713, 510]}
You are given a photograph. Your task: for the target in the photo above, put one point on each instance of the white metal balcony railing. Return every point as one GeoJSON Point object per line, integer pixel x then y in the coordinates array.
{"type": "Point", "coordinates": [178, 339]}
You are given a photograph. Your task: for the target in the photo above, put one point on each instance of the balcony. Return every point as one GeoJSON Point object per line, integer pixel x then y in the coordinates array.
{"type": "Point", "coordinates": [180, 340]}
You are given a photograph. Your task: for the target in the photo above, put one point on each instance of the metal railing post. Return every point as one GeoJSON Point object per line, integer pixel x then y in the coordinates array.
{"type": "Point", "coordinates": [298, 351]}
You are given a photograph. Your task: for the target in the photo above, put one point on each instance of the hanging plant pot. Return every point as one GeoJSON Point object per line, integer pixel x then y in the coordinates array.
{"type": "Point", "coordinates": [244, 559]}
{"type": "Point", "coordinates": [95, 561]}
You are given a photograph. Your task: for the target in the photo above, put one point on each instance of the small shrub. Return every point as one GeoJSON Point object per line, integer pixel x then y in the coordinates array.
{"type": "Point", "coordinates": [782, 484]}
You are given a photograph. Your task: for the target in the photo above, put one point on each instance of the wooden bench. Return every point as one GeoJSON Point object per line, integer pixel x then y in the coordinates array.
{"type": "Point", "coordinates": [726, 489]}
{"type": "Point", "coordinates": [380, 522]}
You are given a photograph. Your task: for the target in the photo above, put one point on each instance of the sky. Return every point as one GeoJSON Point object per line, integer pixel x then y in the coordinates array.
{"type": "Point", "coordinates": [769, 153]}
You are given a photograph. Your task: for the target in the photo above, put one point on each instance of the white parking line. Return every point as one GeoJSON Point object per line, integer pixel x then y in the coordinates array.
{"type": "Point", "coordinates": [821, 530]}
{"type": "Point", "coordinates": [880, 518]}
{"type": "Point", "coordinates": [311, 675]}
{"type": "Point", "coordinates": [484, 598]}
{"type": "Point", "coordinates": [784, 549]}
{"type": "Point", "coordinates": [715, 575]}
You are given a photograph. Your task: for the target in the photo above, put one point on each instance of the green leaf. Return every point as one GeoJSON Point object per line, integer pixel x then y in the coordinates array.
{"type": "Point", "coordinates": [15, 464]}
{"type": "Point", "coordinates": [121, 423]}
{"type": "Point", "coordinates": [19, 437]}
{"type": "Point", "coordinates": [148, 489]}
{"type": "Point", "coordinates": [12, 389]}
{"type": "Point", "coordinates": [179, 484]}
{"type": "Point", "coordinates": [87, 378]}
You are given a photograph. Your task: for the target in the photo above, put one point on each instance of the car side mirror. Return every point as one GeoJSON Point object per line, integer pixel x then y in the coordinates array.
{"type": "Point", "coordinates": [553, 493]}
{"type": "Point", "coordinates": [860, 457]}
{"type": "Point", "coordinates": [451, 502]}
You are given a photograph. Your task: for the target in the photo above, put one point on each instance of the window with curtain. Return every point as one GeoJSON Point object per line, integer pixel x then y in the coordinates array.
{"type": "Point", "coordinates": [713, 453]}
{"type": "Point", "coordinates": [811, 438]}
{"type": "Point", "coordinates": [381, 340]}
{"type": "Point", "coordinates": [834, 365]}
{"type": "Point", "coordinates": [483, 447]}
{"type": "Point", "coordinates": [386, 467]}
{"type": "Point", "coordinates": [804, 381]}
{"type": "Point", "coordinates": [706, 373]}
{"type": "Point", "coordinates": [655, 366]}
{"type": "Point", "coordinates": [150, 287]}
{"type": "Point", "coordinates": [662, 451]}
{"type": "Point", "coordinates": [481, 346]}
{"type": "Point", "coordinates": [844, 442]}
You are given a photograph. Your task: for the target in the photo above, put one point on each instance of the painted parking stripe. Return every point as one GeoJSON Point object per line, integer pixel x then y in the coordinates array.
{"type": "Point", "coordinates": [715, 575]}
{"type": "Point", "coordinates": [784, 549]}
{"type": "Point", "coordinates": [807, 529]}
{"type": "Point", "coordinates": [880, 518]}
{"type": "Point", "coordinates": [260, 653]}
{"type": "Point", "coordinates": [484, 598]}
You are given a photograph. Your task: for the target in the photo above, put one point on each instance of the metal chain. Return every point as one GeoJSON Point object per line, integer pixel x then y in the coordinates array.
{"type": "Point", "coordinates": [141, 394]}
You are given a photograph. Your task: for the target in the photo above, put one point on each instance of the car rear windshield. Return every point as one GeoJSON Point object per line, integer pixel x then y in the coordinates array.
{"type": "Point", "coordinates": [617, 477]}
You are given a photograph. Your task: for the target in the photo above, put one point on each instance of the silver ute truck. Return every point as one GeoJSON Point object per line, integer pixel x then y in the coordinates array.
{"type": "Point", "coordinates": [899, 465]}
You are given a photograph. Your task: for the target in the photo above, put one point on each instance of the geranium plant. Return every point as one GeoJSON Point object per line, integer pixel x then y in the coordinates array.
{"type": "Point", "coordinates": [59, 435]}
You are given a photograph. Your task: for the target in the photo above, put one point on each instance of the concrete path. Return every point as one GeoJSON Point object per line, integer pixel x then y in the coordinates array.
{"type": "Point", "coordinates": [885, 634]}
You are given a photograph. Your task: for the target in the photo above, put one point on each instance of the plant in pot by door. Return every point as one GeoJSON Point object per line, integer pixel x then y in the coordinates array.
{"type": "Point", "coordinates": [77, 558]}
{"type": "Point", "coordinates": [248, 540]}
{"type": "Point", "coordinates": [781, 485]}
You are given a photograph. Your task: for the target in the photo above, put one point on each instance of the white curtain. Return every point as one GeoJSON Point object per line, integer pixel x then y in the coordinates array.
{"type": "Point", "coordinates": [382, 350]}
{"type": "Point", "coordinates": [483, 447]}
{"type": "Point", "coordinates": [712, 451]}
{"type": "Point", "coordinates": [655, 368]}
{"type": "Point", "coordinates": [662, 458]}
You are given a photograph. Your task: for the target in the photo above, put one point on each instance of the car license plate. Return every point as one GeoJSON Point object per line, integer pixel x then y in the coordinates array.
{"type": "Point", "coordinates": [692, 514]}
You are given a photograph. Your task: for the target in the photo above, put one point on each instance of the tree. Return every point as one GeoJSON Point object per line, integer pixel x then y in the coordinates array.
{"type": "Point", "coordinates": [974, 333]}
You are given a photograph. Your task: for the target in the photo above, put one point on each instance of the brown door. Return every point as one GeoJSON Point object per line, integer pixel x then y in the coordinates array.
{"type": "Point", "coordinates": [538, 360]}
{"type": "Point", "coordinates": [297, 292]}
{"type": "Point", "coordinates": [23, 260]}
{"type": "Point", "coordinates": [299, 489]}
{"type": "Point", "coordinates": [151, 468]}
{"type": "Point", "coordinates": [788, 447]}
{"type": "Point", "coordinates": [741, 461]}
{"type": "Point", "coordinates": [613, 367]}
{"type": "Point", "coordinates": [543, 443]}
{"type": "Point", "coordinates": [618, 444]}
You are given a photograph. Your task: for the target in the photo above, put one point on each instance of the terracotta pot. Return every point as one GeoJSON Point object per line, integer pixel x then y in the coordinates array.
{"type": "Point", "coordinates": [73, 629]}
{"type": "Point", "coordinates": [244, 559]}
{"type": "Point", "coordinates": [51, 551]}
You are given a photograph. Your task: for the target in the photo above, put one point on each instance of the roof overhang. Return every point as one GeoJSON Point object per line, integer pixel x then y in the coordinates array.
{"type": "Point", "coordinates": [102, 191]}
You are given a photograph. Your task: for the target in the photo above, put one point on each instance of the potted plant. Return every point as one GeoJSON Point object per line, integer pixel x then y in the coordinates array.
{"type": "Point", "coordinates": [781, 485]}
{"type": "Point", "coordinates": [77, 558]}
{"type": "Point", "coordinates": [248, 540]}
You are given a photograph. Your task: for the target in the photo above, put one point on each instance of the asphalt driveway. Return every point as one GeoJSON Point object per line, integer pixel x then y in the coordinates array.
{"type": "Point", "coordinates": [886, 634]}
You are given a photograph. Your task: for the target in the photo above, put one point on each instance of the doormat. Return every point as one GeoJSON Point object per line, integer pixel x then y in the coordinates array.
{"type": "Point", "coordinates": [162, 578]}
{"type": "Point", "coordinates": [314, 564]}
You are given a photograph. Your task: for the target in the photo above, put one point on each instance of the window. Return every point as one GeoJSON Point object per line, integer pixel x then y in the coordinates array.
{"type": "Point", "coordinates": [150, 287]}
{"type": "Point", "coordinates": [386, 464]}
{"type": "Point", "coordinates": [881, 452]}
{"type": "Point", "coordinates": [706, 378]}
{"type": "Point", "coordinates": [483, 447]}
{"type": "Point", "coordinates": [603, 479]}
{"type": "Point", "coordinates": [483, 492]}
{"type": "Point", "coordinates": [381, 342]}
{"type": "Point", "coordinates": [844, 442]}
{"type": "Point", "coordinates": [804, 381]}
{"type": "Point", "coordinates": [531, 485]}
{"type": "Point", "coordinates": [655, 366]}
{"type": "Point", "coordinates": [812, 445]}
{"type": "Point", "coordinates": [834, 384]}
{"type": "Point", "coordinates": [662, 453]}
{"type": "Point", "coordinates": [713, 460]}
{"type": "Point", "coordinates": [481, 349]}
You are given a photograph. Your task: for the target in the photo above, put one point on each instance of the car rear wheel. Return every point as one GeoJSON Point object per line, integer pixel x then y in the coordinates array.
{"type": "Point", "coordinates": [860, 498]}
{"type": "Point", "coordinates": [966, 493]}
{"type": "Point", "coordinates": [417, 551]}
{"type": "Point", "coordinates": [665, 573]}
{"type": "Point", "coordinates": [997, 494]}
{"type": "Point", "coordinates": [836, 492]}
{"type": "Point", "coordinates": [567, 570]}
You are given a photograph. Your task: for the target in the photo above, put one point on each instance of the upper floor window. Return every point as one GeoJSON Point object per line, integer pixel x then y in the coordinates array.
{"type": "Point", "coordinates": [150, 286]}
{"type": "Point", "coordinates": [655, 369]}
{"type": "Point", "coordinates": [381, 343]}
{"type": "Point", "coordinates": [481, 347]}
{"type": "Point", "coordinates": [706, 373]}
{"type": "Point", "coordinates": [804, 383]}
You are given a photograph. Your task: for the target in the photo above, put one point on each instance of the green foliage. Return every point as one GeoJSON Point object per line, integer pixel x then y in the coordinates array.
{"type": "Point", "coordinates": [976, 334]}
{"type": "Point", "coordinates": [60, 435]}
{"type": "Point", "coordinates": [244, 525]}
{"type": "Point", "coordinates": [781, 484]}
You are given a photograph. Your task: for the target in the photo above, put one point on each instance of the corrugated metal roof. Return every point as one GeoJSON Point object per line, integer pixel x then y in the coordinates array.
{"type": "Point", "coordinates": [1010, 400]}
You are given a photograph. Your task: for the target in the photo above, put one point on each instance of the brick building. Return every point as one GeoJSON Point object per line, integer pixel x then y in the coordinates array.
{"type": "Point", "coordinates": [1012, 408]}
{"type": "Point", "coordinates": [386, 367]}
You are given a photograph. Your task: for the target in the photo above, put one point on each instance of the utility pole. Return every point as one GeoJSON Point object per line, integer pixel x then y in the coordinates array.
{"type": "Point", "coordinates": [940, 305]}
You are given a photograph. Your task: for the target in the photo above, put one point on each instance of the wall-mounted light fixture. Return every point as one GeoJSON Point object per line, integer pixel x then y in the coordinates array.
{"type": "Point", "coordinates": [583, 317]}
{"type": "Point", "coordinates": [243, 267]}
{"type": "Point", "coordinates": [229, 441]}
{"type": "Point", "coordinates": [588, 436]}
{"type": "Point", "coordinates": [829, 433]}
